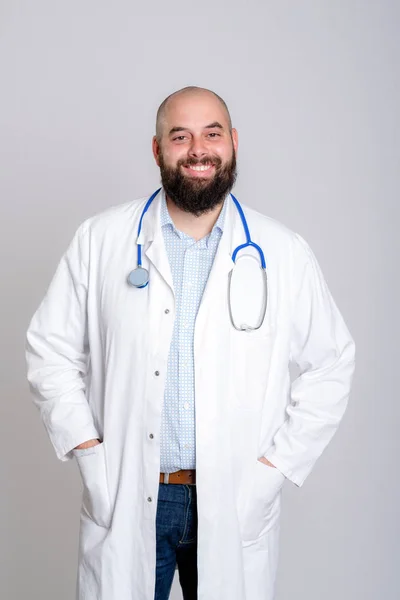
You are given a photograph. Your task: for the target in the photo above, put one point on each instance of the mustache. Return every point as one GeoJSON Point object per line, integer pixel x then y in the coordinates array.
{"type": "Point", "coordinates": [215, 161]}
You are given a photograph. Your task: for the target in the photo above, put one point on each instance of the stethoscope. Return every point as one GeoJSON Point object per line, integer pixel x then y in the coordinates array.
{"type": "Point", "coordinates": [139, 277]}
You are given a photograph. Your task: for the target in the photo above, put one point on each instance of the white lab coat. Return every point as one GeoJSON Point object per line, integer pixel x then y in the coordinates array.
{"type": "Point", "coordinates": [245, 405]}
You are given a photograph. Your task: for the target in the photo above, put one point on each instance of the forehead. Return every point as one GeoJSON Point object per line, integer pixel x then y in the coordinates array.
{"type": "Point", "coordinates": [194, 111]}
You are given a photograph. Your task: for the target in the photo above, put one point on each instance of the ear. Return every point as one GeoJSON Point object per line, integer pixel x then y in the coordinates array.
{"type": "Point", "coordinates": [156, 150]}
{"type": "Point", "coordinates": [235, 139]}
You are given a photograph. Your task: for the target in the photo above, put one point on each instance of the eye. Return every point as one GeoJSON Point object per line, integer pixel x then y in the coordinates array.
{"type": "Point", "coordinates": [214, 133]}
{"type": "Point", "coordinates": [179, 137]}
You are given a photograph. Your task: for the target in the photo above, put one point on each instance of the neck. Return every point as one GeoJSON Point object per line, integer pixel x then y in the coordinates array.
{"type": "Point", "coordinates": [196, 227]}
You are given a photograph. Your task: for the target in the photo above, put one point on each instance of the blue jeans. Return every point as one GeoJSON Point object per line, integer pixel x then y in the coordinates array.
{"type": "Point", "coordinates": [176, 539]}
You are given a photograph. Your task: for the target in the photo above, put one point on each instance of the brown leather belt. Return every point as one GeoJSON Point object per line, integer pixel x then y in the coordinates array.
{"type": "Point", "coordinates": [187, 476]}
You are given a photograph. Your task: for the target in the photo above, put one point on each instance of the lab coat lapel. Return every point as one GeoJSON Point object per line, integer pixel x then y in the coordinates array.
{"type": "Point", "coordinates": [222, 265]}
{"type": "Point", "coordinates": [152, 237]}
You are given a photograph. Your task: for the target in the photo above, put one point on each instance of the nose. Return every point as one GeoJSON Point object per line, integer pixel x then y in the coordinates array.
{"type": "Point", "coordinates": [197, 149]}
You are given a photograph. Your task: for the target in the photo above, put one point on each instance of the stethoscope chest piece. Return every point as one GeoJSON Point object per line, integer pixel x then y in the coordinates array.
{"type": "Point", "coordinates": [139, 277]}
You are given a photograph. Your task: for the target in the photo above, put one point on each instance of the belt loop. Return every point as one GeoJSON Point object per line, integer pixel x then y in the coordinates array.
{"type": "Point", "coordinates": [166, 478]}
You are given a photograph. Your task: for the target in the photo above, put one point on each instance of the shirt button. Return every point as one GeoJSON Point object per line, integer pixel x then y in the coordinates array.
{"type": "Point", "coordinates": [151, 436]}
{"type": "Point", "coordinates": [166, 311]}
{"type": "Point", "coordinates": [186, 405]}
{"type": "Point", "coordinates": [156, 373]}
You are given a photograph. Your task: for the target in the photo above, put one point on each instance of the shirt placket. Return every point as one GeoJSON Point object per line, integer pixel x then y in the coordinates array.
{"type": "Point", "coordinates": [185, 356]}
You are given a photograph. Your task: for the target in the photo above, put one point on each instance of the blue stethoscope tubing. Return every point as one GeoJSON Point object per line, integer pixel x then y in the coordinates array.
{"type": "Point", "coordinates": [139, 277]}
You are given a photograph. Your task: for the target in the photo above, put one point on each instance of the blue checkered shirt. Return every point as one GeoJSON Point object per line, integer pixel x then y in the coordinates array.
{"type": "Point", "coordinates": [190, 264]}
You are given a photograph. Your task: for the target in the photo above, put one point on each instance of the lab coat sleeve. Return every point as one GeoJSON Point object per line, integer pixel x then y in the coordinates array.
{"type": "Point", "coordinates": [324, 352]}
{"type": "Point", "coordinates": [57, 352]}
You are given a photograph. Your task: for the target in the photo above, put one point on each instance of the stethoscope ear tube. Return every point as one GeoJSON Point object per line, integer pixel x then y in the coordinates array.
{"type": "Point", "coordinates": [146, 208]}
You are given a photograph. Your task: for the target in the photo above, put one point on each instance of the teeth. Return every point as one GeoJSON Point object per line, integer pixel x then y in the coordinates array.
{"type": "Point", "coordinates": [199, 168]}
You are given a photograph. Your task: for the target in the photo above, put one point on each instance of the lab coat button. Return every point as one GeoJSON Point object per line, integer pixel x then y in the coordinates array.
{"type": "Point", "coordinates": [166, 311]}
{"type": "Point", "coordinates": [151, 436]}
{"type": "Point", "coordinates": [149, 499]}
{"type": "Point", "coordinates": [156, 373]}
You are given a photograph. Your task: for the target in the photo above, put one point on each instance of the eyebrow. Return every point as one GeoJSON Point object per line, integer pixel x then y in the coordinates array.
{"type": "Point", "coordinates": [214, 125]}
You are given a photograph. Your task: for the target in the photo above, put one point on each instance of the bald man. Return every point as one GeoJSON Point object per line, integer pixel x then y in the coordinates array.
{"type": "Point", "coordinates": [183, 422]}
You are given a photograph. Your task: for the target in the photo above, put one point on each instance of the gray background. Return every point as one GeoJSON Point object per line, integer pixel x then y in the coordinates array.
{"type": "Point", "coordinates": [313, 89]}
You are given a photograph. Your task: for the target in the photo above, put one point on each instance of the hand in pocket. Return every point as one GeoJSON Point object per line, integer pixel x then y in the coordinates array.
{"type": "Point", "coordinates": [96, 500]}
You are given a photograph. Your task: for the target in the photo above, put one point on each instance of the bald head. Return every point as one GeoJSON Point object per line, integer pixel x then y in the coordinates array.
{"type": "Point", "coordinates": [190, 92]}
{"type": "Point", "coordinates": [195, 147]}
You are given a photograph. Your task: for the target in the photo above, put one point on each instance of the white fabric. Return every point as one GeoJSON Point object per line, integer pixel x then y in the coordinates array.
{"type": "Point", "coordinates": [245, 406]}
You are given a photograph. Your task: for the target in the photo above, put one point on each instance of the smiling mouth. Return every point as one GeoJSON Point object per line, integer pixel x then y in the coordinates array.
{"type": "Point", "coordinates": [199, 168]}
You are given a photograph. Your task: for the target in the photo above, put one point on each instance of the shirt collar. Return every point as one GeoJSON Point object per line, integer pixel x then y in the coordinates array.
{"type": "Point", "coordinates": [165, 217]}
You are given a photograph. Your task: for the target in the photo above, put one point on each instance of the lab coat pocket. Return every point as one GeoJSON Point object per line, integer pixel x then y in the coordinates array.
{"type": "Point", "coordinates": [263, 503]}
{"type": "Point", "coordinates": [250, 358]}
{"type": "Point", "coordinates": [96, 500]}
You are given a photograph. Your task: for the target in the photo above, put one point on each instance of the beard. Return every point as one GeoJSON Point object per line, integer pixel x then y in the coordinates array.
{"type": "Point", "coordinates": [198, 195]}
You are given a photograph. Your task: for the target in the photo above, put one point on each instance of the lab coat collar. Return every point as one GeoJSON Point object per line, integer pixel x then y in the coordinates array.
{"type": "Point", "coordinates": [151, 222]}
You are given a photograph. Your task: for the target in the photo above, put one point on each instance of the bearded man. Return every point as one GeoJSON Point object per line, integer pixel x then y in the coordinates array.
{"type": "Point", "coordinates": [183, 419]}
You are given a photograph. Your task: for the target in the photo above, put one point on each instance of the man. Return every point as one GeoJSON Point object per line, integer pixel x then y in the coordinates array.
{"type": "Point", "coordinates": [184, 425]}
